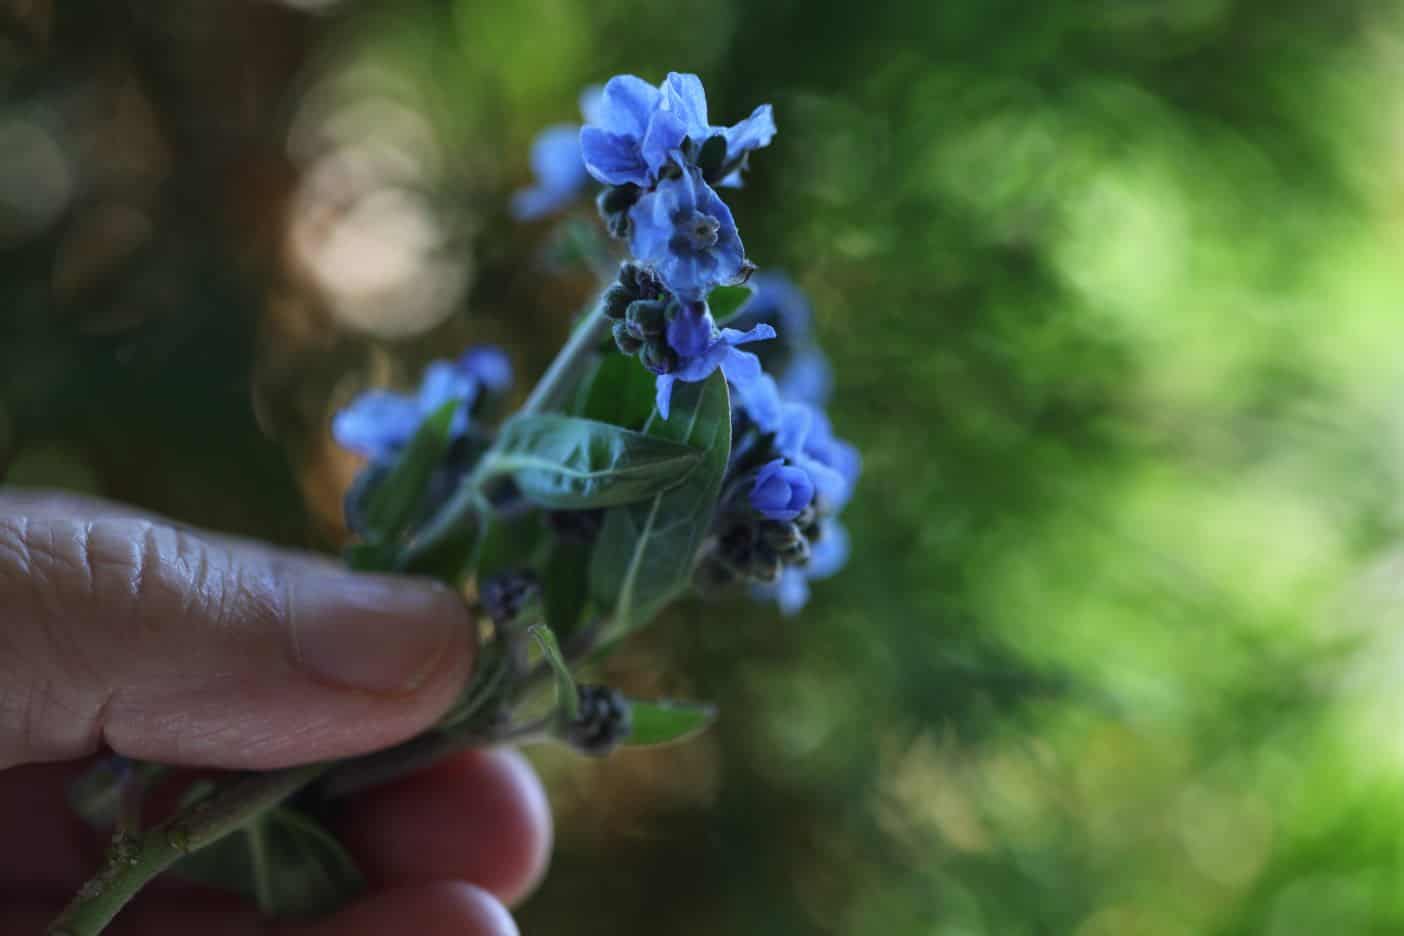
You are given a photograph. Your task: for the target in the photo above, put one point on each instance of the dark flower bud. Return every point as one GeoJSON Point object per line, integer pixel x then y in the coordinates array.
{"type": "Point", "coordinates": [648, 316]}
{"type": "Point", "coordinates": [503, 596]}
{"type": "Point", "coordinates": [659, 358]}
{"type": "Point", "coordinates": [614, 204]}
{"type": "Point", "coordinates": [784, 538]}
{"type": "Point", "coordinates": [619, 198]}
{"type": "Point", "coordinates": [711, 159]}
{"type": "Point", "coordinates": [765, 567]}
{"type": "Point", "coordinates": [576, 526]}
{"type": "Point", "coordinates": [616, 301]}
{"type": "Point", "coordinates": [625, 340]}
{"type": "Point", "coordinates": [602, 722]}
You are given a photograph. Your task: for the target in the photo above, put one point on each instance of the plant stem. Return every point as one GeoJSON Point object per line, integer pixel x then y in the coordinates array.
{"type": "Point", "coordinates": [566, 368]}
{"type": "Point", "coordinates": [133, 860]}
{"type": "Point", "coordinates": [569, 363]}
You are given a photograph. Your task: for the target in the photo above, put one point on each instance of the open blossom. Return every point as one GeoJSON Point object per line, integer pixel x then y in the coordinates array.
{"type": "Point", "coordinates": [740, 367]}
{"type": "Point", "coordinates": [801, 369]}
{"type": "Point", "coordinates": [379, 423]}
{"type": "Point", "coordinates": [685, 232]}
{"type": "Point", "coordinates": [806, 437]}
{"type": "Point", "coordinates": [638, 128]}
{"type": "Point", "coordinates": [557, 165]}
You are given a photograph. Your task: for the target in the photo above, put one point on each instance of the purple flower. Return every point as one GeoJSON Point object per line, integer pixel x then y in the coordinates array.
{"type": "Point", "coordinates": [685, 232]}
{"type": "Point", "coordinates": [827, 556]}
{"type": "Point", "coordinates": [557, 164]}
{"type": "Point", "coordinates": [740, 367]}
{"type": "Point", "coordinates": [781, 491]}
{"type": "Point", "coordinates": [379, 423]}
{"type": "Point", "coordinates": [637, 129]}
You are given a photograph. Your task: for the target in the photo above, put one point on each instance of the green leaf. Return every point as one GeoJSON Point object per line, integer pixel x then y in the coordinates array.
{"type": "Point", "coordinates": [646, 551]}
{"type": "Point", "coordinates": [665, 721]}
{"type": "Point", "coordinates": [393, 503]}
{"type": "Point", "coordinates": [620, 392]}
{"type": "Point", "coordinates": [566, 587]}
{"type": "Point", "coordinates": [565, 463]}
{"type": "Point", "coordinates": [567, 697]}
{"type": "Point", "coordinates": [511, 544]}
{"type": "Point", "coordinates": [726, 301]}
{"type": "Point", "coordinates": [283, 861]}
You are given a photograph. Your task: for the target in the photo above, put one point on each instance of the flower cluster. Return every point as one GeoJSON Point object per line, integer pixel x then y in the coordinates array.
{"type": "Point", "coordinates": [380, 423]}
{"type": "Point", "coordinates": [777, 527]}
{"type": "Point", "coordinates": [676, 339]}
{"type": "Point", "coordinates": [660, 156]}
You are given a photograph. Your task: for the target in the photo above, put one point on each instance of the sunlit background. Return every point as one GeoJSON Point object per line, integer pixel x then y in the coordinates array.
{"type": "Point", "coordinates": [1114, 293]}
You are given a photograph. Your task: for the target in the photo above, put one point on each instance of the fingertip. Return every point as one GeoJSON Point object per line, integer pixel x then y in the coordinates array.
{"type": "Point", "coordinates": [432, 908]}
{"type": "Point", "coordinates": [481, 817]}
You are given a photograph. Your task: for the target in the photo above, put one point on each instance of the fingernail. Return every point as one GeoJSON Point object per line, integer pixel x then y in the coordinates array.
{"type": "Point", "coordinates": [374, 633]}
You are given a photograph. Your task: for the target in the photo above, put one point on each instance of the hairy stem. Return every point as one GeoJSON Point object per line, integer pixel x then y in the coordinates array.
{"type": "Point", "coordinates": [134, 860]}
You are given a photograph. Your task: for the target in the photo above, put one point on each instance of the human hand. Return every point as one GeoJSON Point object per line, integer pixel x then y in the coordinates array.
{"type": "Point", "coordinates": [123, 631]}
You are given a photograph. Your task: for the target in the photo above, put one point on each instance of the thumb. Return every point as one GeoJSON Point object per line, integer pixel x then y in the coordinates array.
{"type": "Point", "coordinates": [183, 647]}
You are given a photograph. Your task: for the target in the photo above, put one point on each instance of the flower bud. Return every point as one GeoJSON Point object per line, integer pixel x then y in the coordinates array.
{"type": "Point", "coordinates": [602, 722]}
{"type": "Point", "coordinates": [616, 301]}
{"type": "Point", "coordinates": [581, 527]}
{"type": "Point", "coordinates": [658, 357]}
{"type": "Point", "coordinates": [648, 316]}
{"type": "Point", "coordinates": [625, 340]}
{"type": "Point", "coordinates": [503, 596]}
{"type": "Point", "coordinates": [711, 159]}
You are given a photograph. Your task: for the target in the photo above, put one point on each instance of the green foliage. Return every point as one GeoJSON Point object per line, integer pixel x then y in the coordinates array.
{"type": "Point", "coordinates": [395, 501]}
{"type": "Point", "coordinates": [282, 861]}
{"type": "Point", "coordinates": [726, 301]}
{"type": "Point", "coordinates": [666, 722]}
{"type": "Point", "coordinates": [646, 551]}
{"type": "Point", "coordinates": [565, 463]}
{"type": "Point", "coordinates": [619, 391]}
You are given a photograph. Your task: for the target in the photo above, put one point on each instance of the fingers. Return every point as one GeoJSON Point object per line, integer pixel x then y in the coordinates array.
{"type": "Point", "coordinates": [181, 647]}
{"type": "Point", "coordinates": [440, 908]}
{"type": "Point", "coordinates": [480, 817]}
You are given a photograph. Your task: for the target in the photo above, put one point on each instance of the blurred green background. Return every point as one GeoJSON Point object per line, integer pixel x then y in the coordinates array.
{"type": "Point", "coordinates": [1114, 291]}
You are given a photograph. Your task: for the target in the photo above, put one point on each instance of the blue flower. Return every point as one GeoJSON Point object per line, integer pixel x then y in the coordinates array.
{"type": "Point", "coordinates": [638, 129]}
{"type": "Point", "coordinates": [379, 423]}
{"type": "Point", "coordinates": [559, 171]}
{"type": "Point", "coordinates": [612, 143]}
{"type": "Point", "coordinates": [740, 367]}
{"type": "Point", "coordinates": [683, 114]}
{"type": "Point", "coordinates": [806, 437]}
{"type": "Point", "coordinates": [685, 232]}
{"type": "Point", "coordinates": [828, 555]}
{"type": "Point", "coordinates": [801, 370]}
{"type": "Point", "coordinates": [557, 164]}
{"type": "Point", "coordinates": [781, 491]}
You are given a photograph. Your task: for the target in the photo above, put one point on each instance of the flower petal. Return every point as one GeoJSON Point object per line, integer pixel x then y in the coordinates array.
{"type": "Point", "coordinates": [690, 333]}
{"type": "Point", "coordinates": [684, 96]}
{"type": "Point", "coordinates": [612, 158]}
{"type": "Point", "coordinates": [376, 423]}
{"type": "Point", "coordinates": [663, 393]}
{"type": "Point", "coordinates": [662, 139]}
{"type": "Point", "coordinates": [752, 133]}
{"type": "Point", "coordinates": [626, 104]}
